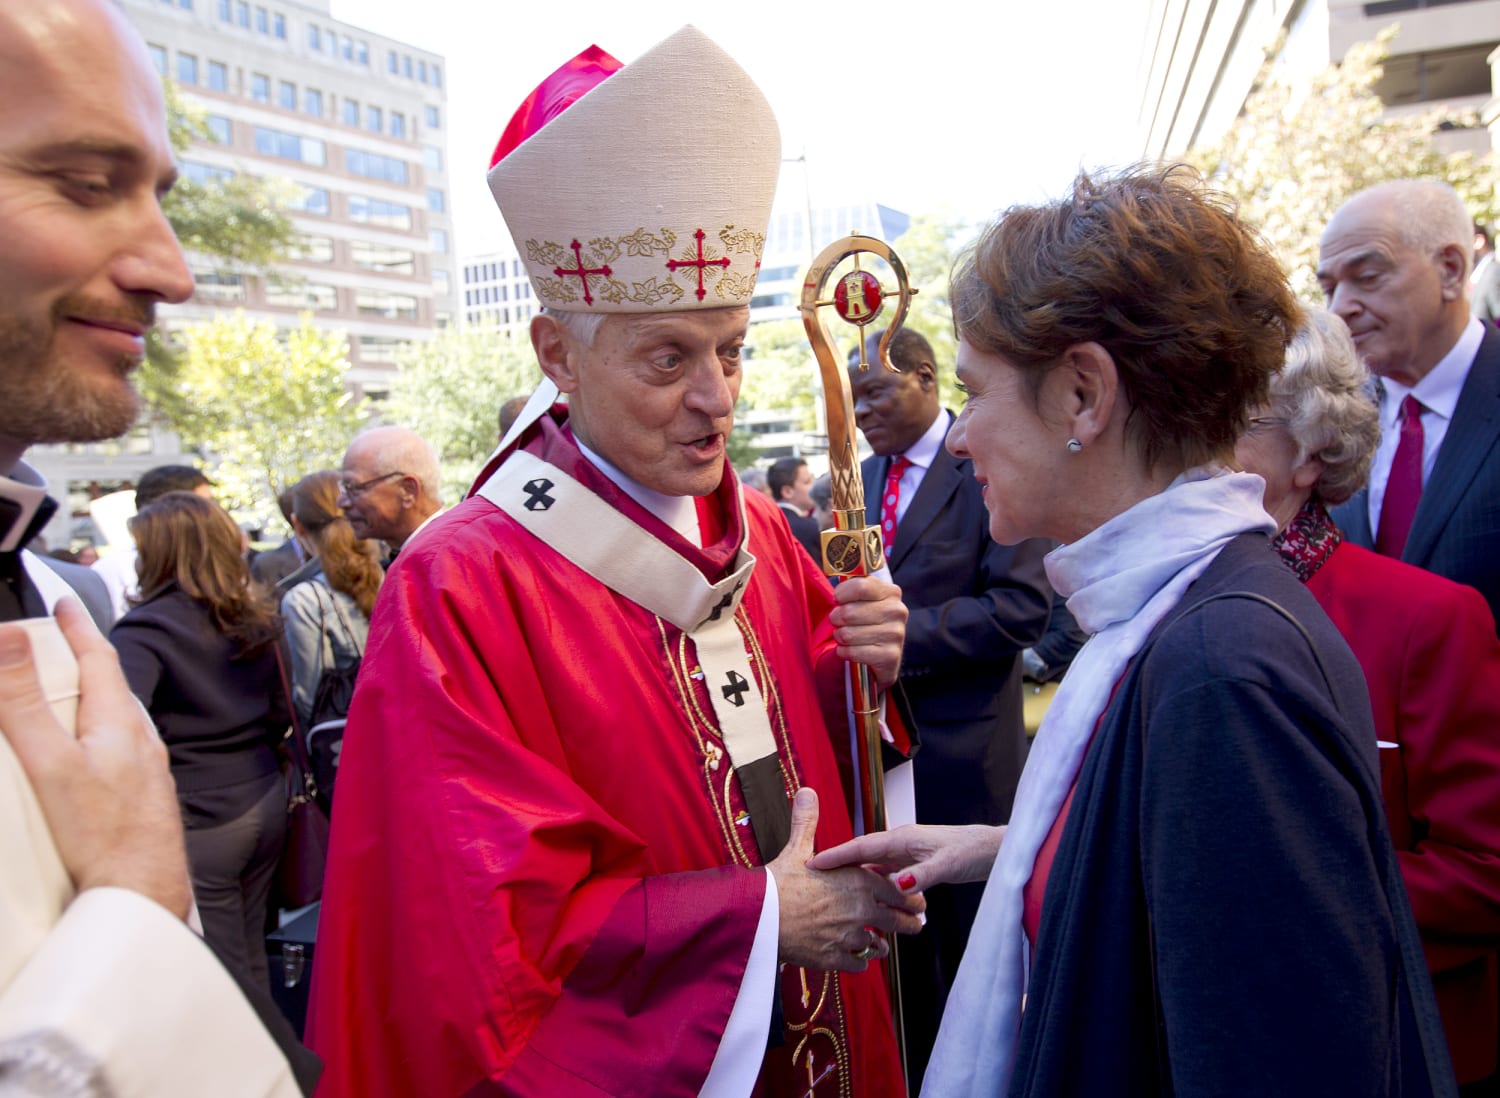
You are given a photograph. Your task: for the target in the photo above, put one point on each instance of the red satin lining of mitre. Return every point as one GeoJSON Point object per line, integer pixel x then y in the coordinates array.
{"type": "Point", "coordinates": [570, 83]}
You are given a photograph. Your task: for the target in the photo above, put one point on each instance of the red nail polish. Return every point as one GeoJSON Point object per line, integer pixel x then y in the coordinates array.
{"type": "Point", "coordinates": [906, 881]}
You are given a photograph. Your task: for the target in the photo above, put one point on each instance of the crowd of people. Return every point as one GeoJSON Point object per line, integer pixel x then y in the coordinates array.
{"type": "Point", "coordinates": [595, 830]}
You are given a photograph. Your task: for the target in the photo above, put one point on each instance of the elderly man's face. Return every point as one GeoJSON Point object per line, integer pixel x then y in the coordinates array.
{"type": "Point", "coordinates": [371, 496]}
{"type": "Point", "coordinates": [87, 253]}
{"type": "Point", "coordinates": [655, 395]}
{"type": "Point", "coordinates": [1393, 297]}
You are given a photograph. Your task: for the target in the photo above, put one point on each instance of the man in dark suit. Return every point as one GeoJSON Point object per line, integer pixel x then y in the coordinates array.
{"type": "Point", "coordinates": [1394, 265]}
{"type": "Point", "coordinates": [974, 606]}
{"type": "Point", "coordinates": [274, 565]}
{"type": "Point", "coordinates": [789, 480]}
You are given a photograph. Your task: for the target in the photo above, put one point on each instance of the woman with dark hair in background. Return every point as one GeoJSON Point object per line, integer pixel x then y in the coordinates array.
{"type": "Point", "coordinates": [328, 615]}
{"type": "Point", "coordinates": [198, 650]}
{"type": "Point", "coordinates": [1196, 893]}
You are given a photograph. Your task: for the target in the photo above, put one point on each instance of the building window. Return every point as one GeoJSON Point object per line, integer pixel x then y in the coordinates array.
{"type": "Point", "coordinates": [379, 348]}
{"type": "Point", "coordinates": [286, 94]}
{"type": "Point", "coordinates": [436, 202]}
{"type": "Point", "coordinates": [432, 158]}
{"type": "Point", "coordinates": [437, 76]}
{"type": "Point", "coordinates": [219, 287]}
{"type": "Point", "coordinates": [398, 124]}
{"type": "Point", "coordinates": [220, 129]}
{"type": "Point", "coordinates": [312, 200]}
{"type": "Point", "coordinates": [303, 295]}
{"type": "Point", "coordinates": [440, 241]}
{"type": "Point", "coordinates": [312, 249]}
{"type": "Point", "coordinates": [218, 76]}
{"type": "Point", "coordinates": [289, 146]}
{"type": "Point", "coordinates": [262, 20]}
{"type": "Point", "coordinates": [406, 65]}
{"type": "Point", "coordinates": [187, 68]}
{"type": "Point", "coordinates": [314, 38]}
{"type": "Point", "coordinates": [351, 112]}
{"type": "Point", "coordinates": [432, 116]}
{"type": "Point", "coordinates": [278, 25]}
{"type": "Point", "coordinates": [441, 281]}
{"type": "Point", "coordinates": [158, 58]}
{"type": "Point", "coordinates": [374, 166]}
{"type": "Point", "coordinates": [422, 71]}
{"type": "Point", "coordinates": [226, 11]}
{"type": "Point", "coordinates": [362, 52]}
{"type": "Point", "coordinates": [374, 119]}
{"type": "Point", "coordinates": [260, 87]}
{"type": "Point", "coordinates": [312, 102]}
{"type": "Point", "coordinates": [242, 13]}
{"type": "Point", "coordinates": [392, 62]}
{"type": "Point", "coordinates": [348, 47]}
{"type": "Point", "coordinates": [387, 305]}
{"type": "Point", "coordinates": [375, 211]}
{"type": "Point", "coordinates": [382, 258]}
{"type": "Point", "coordinates": [205, 174]}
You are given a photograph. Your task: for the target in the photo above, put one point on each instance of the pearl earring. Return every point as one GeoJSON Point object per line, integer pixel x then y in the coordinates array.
{"type": "Point", "coordinates": [1074, 446]}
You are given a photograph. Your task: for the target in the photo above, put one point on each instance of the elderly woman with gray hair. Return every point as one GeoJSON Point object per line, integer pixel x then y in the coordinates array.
{"type": "Point", "coordinates": [1428, 649]}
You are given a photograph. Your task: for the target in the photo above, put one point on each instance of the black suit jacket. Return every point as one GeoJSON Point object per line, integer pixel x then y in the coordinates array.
{"type": "Point", "coordinates": [1456, 530]}
{"type": "Point", "coordinates": [89, 588]}
{"type": "Point", "coordinates": [805, 530]}
{"type": "Point", "coordinates": [974, 605]}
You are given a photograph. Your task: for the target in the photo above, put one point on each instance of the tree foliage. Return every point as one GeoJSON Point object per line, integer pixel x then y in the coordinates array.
{"type": "Point", "coordinates": [1297, 152]}
{"type": "Point", "coordinates": [263, 407]}
{"type": "Point", "coordinates": [450, 390]}
{"type": "Point", "coordinates": [928, 248]}
{"type": "Point", "coordinates": [232, 224]}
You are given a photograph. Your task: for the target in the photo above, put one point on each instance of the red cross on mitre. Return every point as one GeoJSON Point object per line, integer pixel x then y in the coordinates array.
{"type": "Point", "coordinates": [700, 263]}
{"type": "Point", "coordinates": [582, 273]}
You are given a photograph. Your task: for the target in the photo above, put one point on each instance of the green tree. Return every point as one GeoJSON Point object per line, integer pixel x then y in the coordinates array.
{"type": "Point", "coordinates": [928, 248]}
{"type": "Point", "coordinates": [1297, 152]}
{"type": "Point", "coordinates": [264, 407]}
{"type": "Point", "coordinates": [450, 390]}
{"type": "Point", "coordinates": [235, 224]}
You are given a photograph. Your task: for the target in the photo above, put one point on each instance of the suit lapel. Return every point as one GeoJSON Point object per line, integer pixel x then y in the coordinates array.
{"type": "Point", "coordinates": [1470, 438]}
{"type": "Point", "coordinates": [938, 485]}
{"type": "Point", "coordinates": [874, 469]}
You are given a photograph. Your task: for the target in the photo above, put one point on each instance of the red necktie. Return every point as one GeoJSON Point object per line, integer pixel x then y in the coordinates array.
{"type": "Point", "coordinates": [1403, 488]}
{"type": "Point", "coordinates": [891, 500]}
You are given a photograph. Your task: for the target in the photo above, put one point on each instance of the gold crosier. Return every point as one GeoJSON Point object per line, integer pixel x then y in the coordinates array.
{"type": "Point", "coordinates": [853, 547]}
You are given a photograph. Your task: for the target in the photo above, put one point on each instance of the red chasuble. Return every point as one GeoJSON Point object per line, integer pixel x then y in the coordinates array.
{"type": "Point", "coordinates": [542, 878]}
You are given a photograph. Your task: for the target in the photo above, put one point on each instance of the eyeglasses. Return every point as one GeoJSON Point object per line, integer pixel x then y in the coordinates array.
{"type": "Point", "coordinates": [351, 489]}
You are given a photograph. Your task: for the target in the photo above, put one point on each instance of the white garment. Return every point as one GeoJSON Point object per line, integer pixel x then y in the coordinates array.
{"type": "Point", "coordinates": [921, 454]}
{"type": "Point", "coordinates": [1121, 579]}
{"type": "Point", "coordinates": [1438, 394]}
{"type": "Point", "coordinates": [106, 992]}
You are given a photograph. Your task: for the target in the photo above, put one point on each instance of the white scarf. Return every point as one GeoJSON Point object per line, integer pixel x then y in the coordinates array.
{"type": "Point", "coordinates": [1121, 579]}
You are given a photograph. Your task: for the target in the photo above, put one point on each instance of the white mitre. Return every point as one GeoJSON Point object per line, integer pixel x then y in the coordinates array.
{"type": "Point", "coordinates": [651, 192]}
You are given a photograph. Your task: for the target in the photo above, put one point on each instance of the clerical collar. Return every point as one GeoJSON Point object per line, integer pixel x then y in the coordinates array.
{"type": "Point", "coordinates": [25, 507]}
{"type": "Point", "coordinates": [678, 512]}
{"type": "Point", "coordinates": [924, 451]}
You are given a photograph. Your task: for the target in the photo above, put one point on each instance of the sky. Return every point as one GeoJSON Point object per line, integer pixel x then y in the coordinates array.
{"type": "Point", "coordinates": [925, 106]}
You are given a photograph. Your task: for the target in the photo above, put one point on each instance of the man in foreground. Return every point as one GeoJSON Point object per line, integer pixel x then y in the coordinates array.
{"type": "Point", "coordinates": [567, 859]}
{"type": "Point", "coordinates": [104, 989]}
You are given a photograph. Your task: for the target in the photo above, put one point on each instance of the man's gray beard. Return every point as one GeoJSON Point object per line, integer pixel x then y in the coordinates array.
{"type": "Point", "coordinates": [43, 399]}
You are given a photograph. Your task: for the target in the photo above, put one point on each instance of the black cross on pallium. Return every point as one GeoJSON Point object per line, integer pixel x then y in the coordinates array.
{"type": "Point", "coordinates": [582, 273]}
{"type": "Point", "coordinates": [537, 497]}
{"type": "Point", "coordinates": [700, 263]}
{"type": "Point", "coordinates": [736, 689]}
{"type": "Point", "coordinates": [726, 602]}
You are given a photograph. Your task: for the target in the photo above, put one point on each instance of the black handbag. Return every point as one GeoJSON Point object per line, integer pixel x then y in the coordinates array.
{"type": "Point", "coordinates": [330, 709]}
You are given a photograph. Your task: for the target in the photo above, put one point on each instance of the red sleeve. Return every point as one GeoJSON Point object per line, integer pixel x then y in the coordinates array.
{"type": "Point", "coordinates": [484, 912]}
{"type": "Point", "coordinates": [1449, 714]}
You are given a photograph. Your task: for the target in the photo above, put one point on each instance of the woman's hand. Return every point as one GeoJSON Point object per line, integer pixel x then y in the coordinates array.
{"type": "Point", "coordinates": [918, 856]}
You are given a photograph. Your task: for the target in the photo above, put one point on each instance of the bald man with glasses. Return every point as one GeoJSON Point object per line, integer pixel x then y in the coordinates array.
{"type": "Point", "coordinates": [390, 486]}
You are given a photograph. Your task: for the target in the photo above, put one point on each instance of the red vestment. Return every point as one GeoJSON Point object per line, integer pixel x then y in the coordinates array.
{"type": "Point", "coordinates": [541, 881]}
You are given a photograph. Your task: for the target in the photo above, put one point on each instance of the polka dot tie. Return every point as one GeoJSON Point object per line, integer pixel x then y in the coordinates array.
{"type": "Point", "coordinates": [890, 501]}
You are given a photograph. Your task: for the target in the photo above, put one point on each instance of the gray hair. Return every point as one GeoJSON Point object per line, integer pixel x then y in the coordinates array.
{"type": "Point", "coordinates": [1429, 216]}
{"type": "Point", "coordinates": [1323, 391]}
{"type": "Point", "coordinates": [582, 327]}
{"type": "Point", "coordinates": [400, 449]}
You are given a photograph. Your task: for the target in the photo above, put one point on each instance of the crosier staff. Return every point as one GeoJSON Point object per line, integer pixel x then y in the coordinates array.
{"type": "Point", "coordinates": [853, 547]}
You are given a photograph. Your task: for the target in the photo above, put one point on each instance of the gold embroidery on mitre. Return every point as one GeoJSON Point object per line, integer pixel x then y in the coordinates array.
{"type": "Point", "coordinates": [643, 244]}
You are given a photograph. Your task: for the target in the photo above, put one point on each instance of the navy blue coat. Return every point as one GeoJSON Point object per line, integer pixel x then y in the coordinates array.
{"type": "Point", "coordinates": [1225, 915]}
